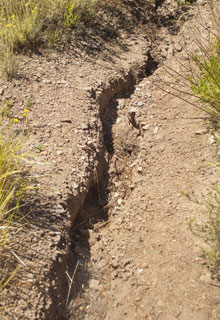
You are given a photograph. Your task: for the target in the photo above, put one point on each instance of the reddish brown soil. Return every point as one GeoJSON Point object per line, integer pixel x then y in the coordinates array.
{"type": "Point", "coordinates": [119, 153]}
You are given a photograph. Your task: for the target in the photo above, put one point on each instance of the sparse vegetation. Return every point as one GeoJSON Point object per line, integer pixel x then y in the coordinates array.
{"type": "Point", "coordinates": [200, 78]}
{"type": "Point", "coordinates": [205, 85]}
{"type": "Point", "coordinates": [24, 25]}
{"type": "Point", "coordinates": [14, 179]}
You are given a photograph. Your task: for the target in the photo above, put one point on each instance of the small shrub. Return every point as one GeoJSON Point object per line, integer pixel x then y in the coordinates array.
{"type": "Point", "coordinates": [206, 85]}
{"type": "Point", "coordinates": [26, 25]}
{"type": "Point", "coordinates": [10, 65]}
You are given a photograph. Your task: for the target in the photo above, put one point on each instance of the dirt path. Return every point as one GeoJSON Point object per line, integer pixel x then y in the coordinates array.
{"type": "Point", "coordinates": [143, 262]}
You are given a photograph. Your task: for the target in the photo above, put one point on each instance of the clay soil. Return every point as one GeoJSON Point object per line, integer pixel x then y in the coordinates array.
{"type": "Point", "coordinates": [109, 237]}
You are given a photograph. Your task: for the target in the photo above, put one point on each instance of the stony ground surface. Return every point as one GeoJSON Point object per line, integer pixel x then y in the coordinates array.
{"type": "Point", "coordinates": [143, 262]}
{"type": "Point", "coordinates": [130, 252]}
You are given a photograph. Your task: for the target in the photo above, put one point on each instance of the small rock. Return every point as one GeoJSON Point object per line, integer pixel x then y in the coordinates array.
{"type": "Point", "coordinates": [133, 110]}
{"type": "Point", "coordinates": [121, 104]}
{"type": "Point", "coordinates": [94, 284]}
{"type": "Point", "coordinates": [178, 47]}
{"type": "Point", "coordinates": [66, 120]}
{"type": "Point", "coordinates": [114, 263]}
{"type": "Point", "coordinates": [62, 82]}
{"type": "Point", "coordinates": [211, 140]}
{"type": "Point", "coordinates": [60, 209]}
{"type": "Point", "coordinates": [159, 138]}
{"type": "Point", "coordinates": [199, 132]}
{"type": "Point", "coordinates": [170, 51]}
{"type": "Point", "coordinates": [149, 101]}
{"type": "Point", "coordinates": [140, 270]}
{"type": "Point", "coordinates": [145, 127]}
{"type": "Point", "coordinates": [90, 144]}
{"type": "Point", "coordinates": [46, 81]}
{"type": "Point", "coordinates": [37, 75]}
{"type": "Point", "coordinates": [84, 126]}
{"type": "Point", "coordinates": [126, 262]}
{"type": "Point", "coordinates": [156, 130]}
{"type": "Point", "coordinates": [140, 103]}
{"type": "Point", "coordinates": [206, 277]}
{"type": "Point", "coordinates": [138, 299]}
{"type": "Point", "coordinates": [164, 53]}
{"type": "Point", "coordinates": [60, 153]}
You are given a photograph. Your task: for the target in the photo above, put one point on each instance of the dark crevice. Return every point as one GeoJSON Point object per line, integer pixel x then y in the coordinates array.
{"type": "Point", "coordinates": [151, 66]}
{"type": "Point", "coordinates": [94, 209]}
{"type": "Point", "coordinates": [158, 3]}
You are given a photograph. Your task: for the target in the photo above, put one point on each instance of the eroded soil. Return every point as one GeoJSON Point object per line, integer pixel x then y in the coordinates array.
{"type": "Point", "coordinates": [120, 153]}
{"type": "Point", "coordinates": [140, 257]}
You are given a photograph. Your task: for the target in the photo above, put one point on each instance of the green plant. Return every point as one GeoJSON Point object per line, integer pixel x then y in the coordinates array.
{"type": "Point", "coordinates": [209, 230]}
{"type": "Point", "coordinates": [199, 78]}
{"type": "Point", "coordinates": [71, 16]}
{"type": "Point", "coordinates": [6, 108]}
{"type": "Point", "coordinates": [202, 72]}
{"type": "Point", "coordinates": [9, 64]}
{"type": "Point", "coordinates": [183, 2]}
{"type": "Point", "coordinates": [29, 102]}
{"type": "Point", "coordinates": [15, 180]}
{"type": "Point", "coordinates": [206, 84]}
{"type": "Point", "coordinates": [26, 25]}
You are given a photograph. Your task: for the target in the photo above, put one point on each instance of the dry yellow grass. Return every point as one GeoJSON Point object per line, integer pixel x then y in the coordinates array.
{"type": "Point", "coordinates": [25, 25]}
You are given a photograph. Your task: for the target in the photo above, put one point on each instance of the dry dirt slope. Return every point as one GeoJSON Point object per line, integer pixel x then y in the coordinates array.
{"type": "Point", "coordinates": [136, 258]}
{"type": "Point", "coordinates": [143, 262]}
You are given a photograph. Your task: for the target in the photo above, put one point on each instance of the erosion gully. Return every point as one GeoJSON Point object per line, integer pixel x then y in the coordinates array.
{"type": "Point", "coordinates": [96, 211]}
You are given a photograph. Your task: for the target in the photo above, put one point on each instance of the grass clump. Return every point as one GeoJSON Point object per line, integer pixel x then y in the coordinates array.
{"type": "Point", "coordinates": [26, 25]}
{"type": "Point", "coordinates": [205, 82]}
{"type": "Point", "coordinates": [14, 180]}
{"type": "Point", "coordinates": [9, 64]}
{"type": "Point", "coordinates": [206, 85]}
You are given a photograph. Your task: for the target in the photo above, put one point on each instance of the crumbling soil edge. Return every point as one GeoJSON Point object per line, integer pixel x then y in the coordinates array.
{"type": "Point", "coordinates": [100, 97]}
